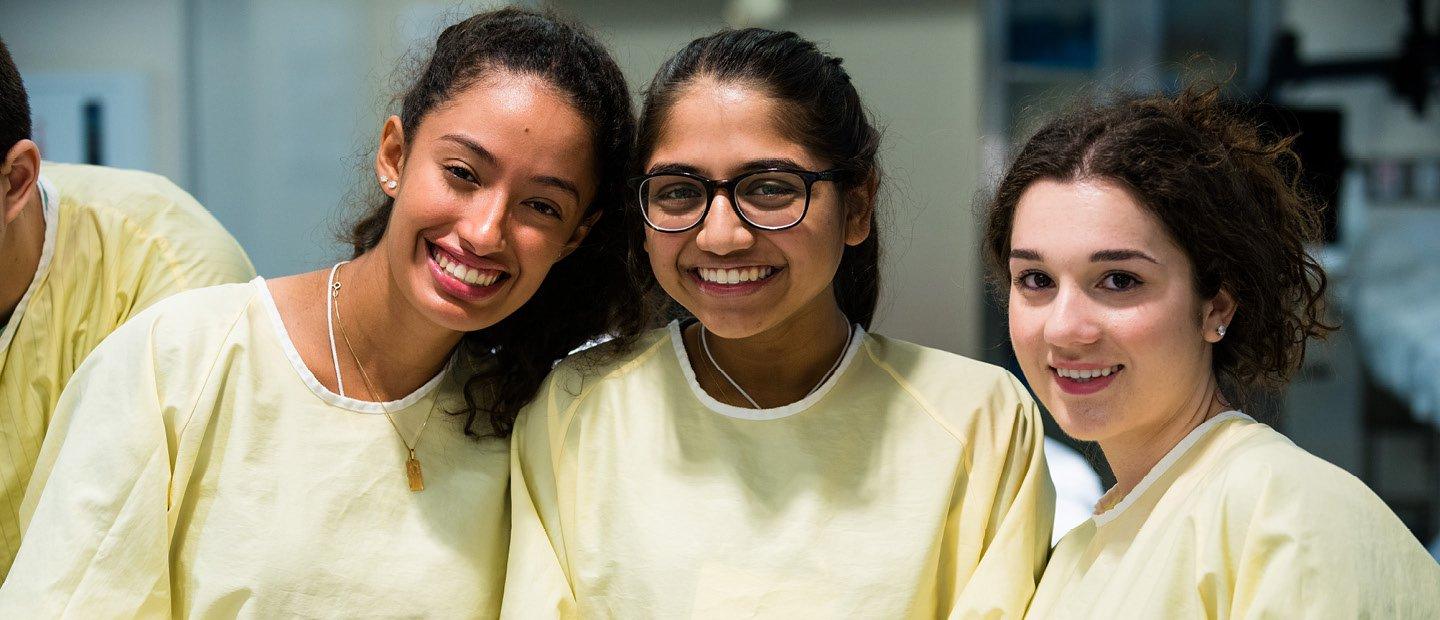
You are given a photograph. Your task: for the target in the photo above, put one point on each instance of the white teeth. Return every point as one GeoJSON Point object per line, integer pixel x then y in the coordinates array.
{"type": "Point", "coordinates": [465, 274]}
{"type": "Point", "coordinates": [735, 276]}
{"type": "Point", "coordinates": [1086, 375]}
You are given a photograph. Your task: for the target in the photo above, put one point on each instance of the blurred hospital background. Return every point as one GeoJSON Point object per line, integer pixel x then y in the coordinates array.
{"type": "Point", "coordinates": [267, 111]}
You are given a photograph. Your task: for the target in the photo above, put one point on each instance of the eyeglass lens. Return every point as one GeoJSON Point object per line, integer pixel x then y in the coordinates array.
{"type": "Point", "coordinates": [769, 199]}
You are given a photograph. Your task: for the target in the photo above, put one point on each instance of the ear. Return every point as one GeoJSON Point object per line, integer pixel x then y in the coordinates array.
{"type": "Point", "coordinates": [579, 235]}
{"type": "Point", "coordinates": [390, 157]}
{"type": "Point", "coordinates": [1219, 310]}
{"type": "Point", "coordinates": [860, 205]}
{"type": "Point", "coordinates": [19, 178]}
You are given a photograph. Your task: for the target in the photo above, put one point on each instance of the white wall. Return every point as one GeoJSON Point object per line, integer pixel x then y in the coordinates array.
{"type": "Point", "coordinates": [281, 89]}
{"type": "Point", "coordinates": [288, 96]}
{"type": "Point", "coordinates": [116, 35]}
{"type": "Point", "coordinates": [918, 67]}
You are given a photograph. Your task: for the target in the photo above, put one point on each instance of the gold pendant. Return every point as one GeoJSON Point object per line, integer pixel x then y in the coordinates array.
{"type": "Point", "coordinates": [413, 474]}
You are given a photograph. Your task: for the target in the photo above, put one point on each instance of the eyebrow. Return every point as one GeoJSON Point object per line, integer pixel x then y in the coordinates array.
{"type": "Point", "coordinates": [1102, 256]}
{"type": "Point", "coordinates": [754, 164]}
{"type": "Point", "coordinates": [1105, 256]}
{"type": "Point", "coordinates": [668, 167]}
{"type": "Point", "coordinates": [558, 183]}
{"type": "Point", "coordinates": [470, 143]}
{"type": "Point", "coordinates": [480, 151]}
{"type": "Point", "coordinates": [761, 164]}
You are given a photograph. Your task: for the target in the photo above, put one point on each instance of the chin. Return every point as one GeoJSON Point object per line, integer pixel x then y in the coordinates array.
{"type": "Point", "coordinates": [449, 314]}
{"type": "Point", "coordinates": [1084, 423]}
{"type": "Point", "coordinates": [732, 325]}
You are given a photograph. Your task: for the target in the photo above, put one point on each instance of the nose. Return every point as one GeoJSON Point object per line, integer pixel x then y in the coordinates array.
{"type": "Point", "coordinates": [482, 228]}
{"type": "Point", "coordinates": [1073, 320]}
{"type": "Point", "coordinates": [722, 231]}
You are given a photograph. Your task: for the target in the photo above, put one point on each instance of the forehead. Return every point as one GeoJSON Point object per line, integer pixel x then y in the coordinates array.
{"type": "Point", "coordinates": [522, 116]}
{"type": "Point", "coordinates": [1077, 218]}
{"type": "Point", "coordinates": [714, 125]}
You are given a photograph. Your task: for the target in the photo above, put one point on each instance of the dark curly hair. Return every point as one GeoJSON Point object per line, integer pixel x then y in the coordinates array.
{"type": "Point", "coordinates": [1224, 188]}
{"type": "Point", "coordinates": [820, 109]}
{"type": "Point", "coordinates": [588, 294]}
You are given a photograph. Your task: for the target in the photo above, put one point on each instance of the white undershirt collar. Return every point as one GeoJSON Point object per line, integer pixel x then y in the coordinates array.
{"type": "Point", "coordinates": [50, 212]}
{"type": "Point", "coordinates": [678, 340]}
{"type": "Point", "coordinates": [1166, 463]}
{"type": "Point", "coordinates": [319, 389]}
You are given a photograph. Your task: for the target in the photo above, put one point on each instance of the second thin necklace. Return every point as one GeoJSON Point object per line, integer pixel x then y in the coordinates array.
{"type": "Point", "coordinates": [414, 475]}
{"type": "Point", "coordinates": [705, 344]}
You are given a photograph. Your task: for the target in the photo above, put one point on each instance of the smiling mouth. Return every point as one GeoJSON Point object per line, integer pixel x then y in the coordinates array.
{"type": "Point", "coordinates": [1086, 376]}
{"type": "Point", "coordinates": [471, 276]}
{"type": "Point", "coordinates": [738, 275]}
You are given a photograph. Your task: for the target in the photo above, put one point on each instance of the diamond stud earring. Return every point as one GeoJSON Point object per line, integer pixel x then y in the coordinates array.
{"type": "Point", "coordinates": [1220, 330]}
{"type": "Point", "coordinates": [389, 182]}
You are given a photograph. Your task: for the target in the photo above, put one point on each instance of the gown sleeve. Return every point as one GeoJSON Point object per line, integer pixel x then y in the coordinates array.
{"type": "Point", "coordinates": [537, 578]}
{"type": "Point", "coordinates": [130, 427]}
{"type": "Point", "coordinates": [96, 534]}
{"type": "Point", "coordinates": [1020, 512]}
{"type": "Point", "coordinates": [173, 245]}
{"type": "Point", "coordinates": [1328, 548]}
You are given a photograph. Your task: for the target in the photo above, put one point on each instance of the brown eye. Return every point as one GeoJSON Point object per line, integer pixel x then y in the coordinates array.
{"type": "Point", "coordinates": [1033, 280]}
{"type": "Point", "coordinates": [1120, 282]}
{"type": "Point", "coordinates": [460, 173]}
{"type": "Point", "coordinates": [545, 208]}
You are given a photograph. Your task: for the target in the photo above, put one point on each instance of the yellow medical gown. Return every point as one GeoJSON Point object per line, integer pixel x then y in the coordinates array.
{"type": "Point", "coordinates": [116, 241]}
{"type": "Point", "coordinates": [1238, 522]}
{"type": "Point", "coordinates": [912, 484]}
{"type": "Point", "coordinates": [197, 468]}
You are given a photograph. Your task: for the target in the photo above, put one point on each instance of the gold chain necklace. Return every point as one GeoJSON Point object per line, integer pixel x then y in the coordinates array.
{"type": "Point", "coordinates": [414, 475]}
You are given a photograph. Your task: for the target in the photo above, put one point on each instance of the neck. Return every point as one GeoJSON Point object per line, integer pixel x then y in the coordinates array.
{"type": "Point", "coordinates": [400, 350]}
{"type": "Point", "coordinates": [778, 366]}
{"type": "Point", "coordinates": [24, 240]}
{"type": "Point", "coordinates": [1133, 454]}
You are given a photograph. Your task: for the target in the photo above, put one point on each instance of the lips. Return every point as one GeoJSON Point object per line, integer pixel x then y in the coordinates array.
{"type": "Point", "coordinates": [733, 281]}
{"type": "Point", "coordinates": [1087, 374]}
{"type": "Point", "coordinates": [734, 275]}
{"type": "Point", "coordinates": [1085, 381]}
{"type": "Point", "coordinates": [467, 278]}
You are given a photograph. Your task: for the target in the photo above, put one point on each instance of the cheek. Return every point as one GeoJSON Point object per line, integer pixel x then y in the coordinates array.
{"type": "Point", "coordinates": [663, 250]}
{"type": "Point", "coordinates": [436, 209]}
{"type": "Point", "coordinates": [538, 249]}
{"type": "Point", "coordinates": [814, 252]}
{"type": "Point", "coordinates": [1027, 328]}
{"type": "Point", "coordinates": [1153, 323]}
{"type": "Point", "coordinates": [1159, 344]}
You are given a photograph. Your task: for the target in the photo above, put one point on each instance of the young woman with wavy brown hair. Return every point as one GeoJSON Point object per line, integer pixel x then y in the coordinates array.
{"type": "Point", "coordinates": [335, 443]}
{"type": "Point", "coordinates": [1154, 252]}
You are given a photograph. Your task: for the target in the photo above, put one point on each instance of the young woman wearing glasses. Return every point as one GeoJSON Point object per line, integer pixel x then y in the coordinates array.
{"type": "Point", "coordinates": [766, 456]}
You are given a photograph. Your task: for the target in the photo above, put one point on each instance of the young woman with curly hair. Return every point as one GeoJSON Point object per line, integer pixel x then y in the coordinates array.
{"type": "Point", "coordinates": [1154, 251]}
{"type": "Point", "coordinates": [335, 443]}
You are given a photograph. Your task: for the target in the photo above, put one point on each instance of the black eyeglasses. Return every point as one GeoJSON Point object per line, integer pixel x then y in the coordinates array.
{"type": "Point", "coordinates": [769, 199]}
